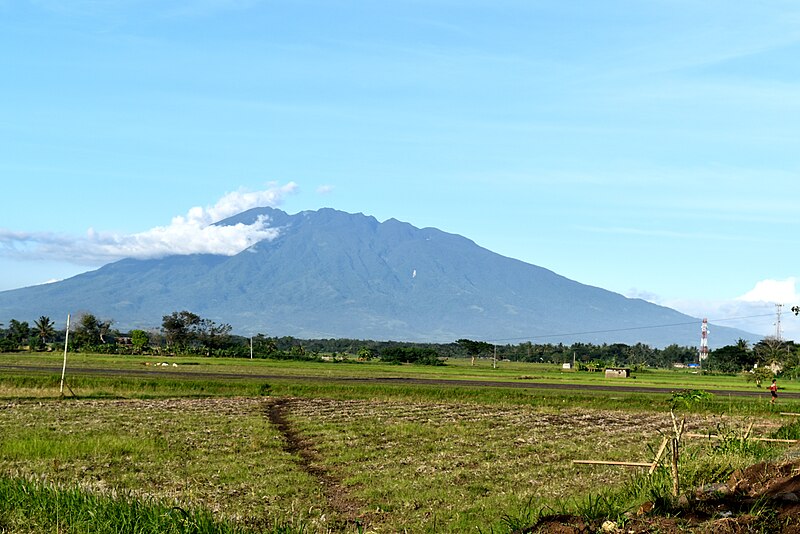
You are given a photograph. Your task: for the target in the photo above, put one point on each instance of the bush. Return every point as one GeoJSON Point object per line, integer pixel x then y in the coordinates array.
{"type": "Point", "coordinates": [418, 355]}
{"type": "Point", "coordinates": [788, 431]}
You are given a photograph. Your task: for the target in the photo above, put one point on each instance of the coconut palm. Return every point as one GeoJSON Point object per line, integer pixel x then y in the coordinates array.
{"type": "Point", "coordinates": [44, 329]}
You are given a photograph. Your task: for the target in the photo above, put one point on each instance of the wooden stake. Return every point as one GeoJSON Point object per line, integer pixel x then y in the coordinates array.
{"type": "Point", "coordinates": [674, 465]}
{"type": "Point", "coordinates": [714, 436]}
{"type": "Point", "coordinates": [660, 453]}
{"type": "Point", "coordinates": [675, 453]}
{"type": "Point", "coordinates": [604, 462]}
{"type": "Point", "coordinates": [64, 368]}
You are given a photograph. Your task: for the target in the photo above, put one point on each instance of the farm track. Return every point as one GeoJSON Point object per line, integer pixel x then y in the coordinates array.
{"type": "Point", "coordinates": [336, 495]}
{"type": "Point", "coordinates": [177, 373]}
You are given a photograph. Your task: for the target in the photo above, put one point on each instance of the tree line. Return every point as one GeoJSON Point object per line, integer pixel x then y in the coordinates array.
{"type": "Point", "coordinates": [186, 333]}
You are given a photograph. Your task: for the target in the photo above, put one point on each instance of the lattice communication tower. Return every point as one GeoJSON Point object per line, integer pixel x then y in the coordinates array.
{"type": "Point", "coordinates": [704, 340]}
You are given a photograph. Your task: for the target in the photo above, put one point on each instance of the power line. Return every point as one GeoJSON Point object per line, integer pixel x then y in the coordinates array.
{"type": "Point", "coordinates": [628, 329]}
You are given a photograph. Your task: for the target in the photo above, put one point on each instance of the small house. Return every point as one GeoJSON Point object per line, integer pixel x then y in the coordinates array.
{"type": "Point", "coordinates": [618, 372]}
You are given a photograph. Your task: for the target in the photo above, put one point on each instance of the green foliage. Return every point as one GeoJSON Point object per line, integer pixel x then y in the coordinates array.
{"type": "Point", "coordinates": [528, 515]}
{"type": "Point", "coordinates": [787, 431]}
{"type": "Point", "coordinates": [594, 365]}
{"type": "Point", "coordinates": [615, 504]}
{"type": "Point", "coordinates": [179, 328]}
{"type": "Point", "coordinates": [600, 506]}
{"type": "Point", "coordinates": [687, 398]}
{"type": "Point", "coordinates": [92, 335]}
{"type": "Point", "coordinates": [263, 346]}
{"type": "Point", "coordinates": [44, 329]}
{"type": "Point", "coordinates": [731, 441]}
{"type": "Point", "coordinates": [759, 375]}
{"type": "Point", "coordinates": [366, 354]}
{"type": "Point", "coordinates": [140, 340]}
{"type": "Point", "coordinates": [28, 506]}
{"type": "Point", "coordinates": [615, 354]}
{"type": "Point", "coordinates": [731, 359]}
{"type": "Point", "coordinates": [188, 333]}
{"type": "Point", "coordinates": [766, 516]}
{"type": "Point", "coordinates": [18, 333]}
{"type": "Point", "coordinates": [417, 355]}
{"type": "Point", "coordinates": [7, 345]}
{"type": "Point", "coordinates": [475, 348]}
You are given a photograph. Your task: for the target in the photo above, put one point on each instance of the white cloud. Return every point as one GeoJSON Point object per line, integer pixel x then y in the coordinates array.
{"type": "Point", "coordinates": [324, 189]}
{"type": "Point", "coordinates": [755, 317]}
{"type": "Point", "coordinates": [194, 233]}
{"type": "Point", "coordinates": [775, 291]}
{"type": "Point", "coordinates": [756, 311]}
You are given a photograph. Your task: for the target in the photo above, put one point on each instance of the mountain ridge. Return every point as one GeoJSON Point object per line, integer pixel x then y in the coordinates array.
{"type": "Point", "coordinates": [333, 274]}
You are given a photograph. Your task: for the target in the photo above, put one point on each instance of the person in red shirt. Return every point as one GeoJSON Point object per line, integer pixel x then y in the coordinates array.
{"type": "Point", "coordinates": [773, 389]}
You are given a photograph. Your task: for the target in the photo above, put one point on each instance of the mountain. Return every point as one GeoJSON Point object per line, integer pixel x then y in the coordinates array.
{"type": "Point", "coordinates": [332, 274]}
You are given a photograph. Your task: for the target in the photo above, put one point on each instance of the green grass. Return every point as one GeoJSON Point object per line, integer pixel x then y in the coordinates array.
{"type": "Point", "coordinates": [424, 458]}
{"type": "Point", "coordinates": [28, 506]}
{"type": "Point", "coordinates": [42, 385]}
{"type": "Point", "coordinates": [223, 455]}
{"type": "Point", "coordinates": [404, 463]}
{"type": "Point", "coordinates": [291, 377]}
{"type": "Point", "coordinates": [456, 368]}
{"type": "Point", "coordinates": [38, 444]}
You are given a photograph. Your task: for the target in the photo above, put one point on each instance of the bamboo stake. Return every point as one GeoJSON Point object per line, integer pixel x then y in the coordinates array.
{"type": "Point", "coordinates": [608, 462]}
{"type": "Point", "coordinates": [660, 453]}
{"type": "Point", "coordinates": [675, 441]}
{"type": "Point", "coordinates": [674, 466]}
{"type": "Point", "coordinates": [64, 368]}
{"type": "Point", "coordinates": [714, 436]}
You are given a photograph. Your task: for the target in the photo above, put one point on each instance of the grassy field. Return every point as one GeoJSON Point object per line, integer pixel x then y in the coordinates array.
{"type": "Point", "coordinates": [459, 369]}
{"type": "Point", "coordinates": [203, 452]}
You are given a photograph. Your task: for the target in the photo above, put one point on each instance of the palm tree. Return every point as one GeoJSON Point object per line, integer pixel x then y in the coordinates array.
{"type": "Point", "coordinates": [44, 329]}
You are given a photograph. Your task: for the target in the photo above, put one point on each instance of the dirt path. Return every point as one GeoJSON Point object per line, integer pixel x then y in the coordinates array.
{"type": "Point", "coordinates": [339, 500]}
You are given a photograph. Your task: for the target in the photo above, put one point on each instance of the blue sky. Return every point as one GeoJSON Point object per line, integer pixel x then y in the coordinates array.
{"type": "Point", "coordinates": [651, 148]}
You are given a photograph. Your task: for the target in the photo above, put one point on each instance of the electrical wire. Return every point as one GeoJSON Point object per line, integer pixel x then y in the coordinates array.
{"type": "Point", "coordinates": [631, 328]}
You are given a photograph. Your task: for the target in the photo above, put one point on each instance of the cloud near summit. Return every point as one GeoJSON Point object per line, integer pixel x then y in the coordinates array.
{"type": "Point", "coordinates": [755, 311]}
{"type": "Point", "coordinates": [194, 233]}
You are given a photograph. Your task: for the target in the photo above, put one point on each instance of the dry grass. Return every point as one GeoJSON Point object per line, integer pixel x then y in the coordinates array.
{"type": "Point", "coordinates": [218, 453]}
{"type": "Point", "coordinates": [418, 466]}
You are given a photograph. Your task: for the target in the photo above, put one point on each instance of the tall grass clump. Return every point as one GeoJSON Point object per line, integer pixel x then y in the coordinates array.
{"type": "Point", "coordinates": [32, 506]}
{"type": "Point", "coordinates": [29, 506]}
{"type": "Point", "coordinates": [617, 504]}
{"type": "Point", "coordinates": [702, 462]}
{"type": "Point", "coordinates": [788, 431]}
{"type": "Point", "coordinates": [711, 461]}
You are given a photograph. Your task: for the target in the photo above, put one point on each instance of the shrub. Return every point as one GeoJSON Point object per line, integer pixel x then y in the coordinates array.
{"type": "Point", "coordinates": [418, 355]}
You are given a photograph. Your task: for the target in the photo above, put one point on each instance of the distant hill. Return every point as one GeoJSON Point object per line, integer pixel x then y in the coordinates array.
{"type": "Point", "coordinates": [332, 274]}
